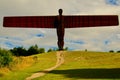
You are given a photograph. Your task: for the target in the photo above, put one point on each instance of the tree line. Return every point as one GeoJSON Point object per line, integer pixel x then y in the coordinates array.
{"type": "Point", "coordinates": [6, 56]}
{"type": "Point", "coordinates": [34, 49]}
{"type": "Point", "coordinates": [112, 51]}
{"type": "Point", "coordinates": [21, 51]}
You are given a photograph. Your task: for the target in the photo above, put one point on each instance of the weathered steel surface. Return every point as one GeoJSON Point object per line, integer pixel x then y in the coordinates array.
{"type": "Point", "coordinates": [69, 21]}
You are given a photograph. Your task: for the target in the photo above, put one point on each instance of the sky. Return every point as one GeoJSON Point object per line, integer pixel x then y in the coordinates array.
{"type": "Point", "coordinates": [93, 39]}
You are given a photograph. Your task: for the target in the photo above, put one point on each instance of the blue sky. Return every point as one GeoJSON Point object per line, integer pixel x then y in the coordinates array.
{"type": "Point", "coordinates": [94, 39]}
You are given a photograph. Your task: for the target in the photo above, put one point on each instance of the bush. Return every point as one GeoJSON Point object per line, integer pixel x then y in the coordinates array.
{"type": "Point", "coordinates": [86, 50]}
{"type": "Point", "coordinates": [111, 51]}
{"type": "Point", "coordinates": [66, 49]}
{"type": "Point", "coordinates": [19, 51]}
{"type": "Point", "coordinates": [5, 58]}
{"type": "Point", "coordinates": [118, 51]}
{"type": "Point", "coordinates": [41, 50]}
{"type": "Point", "coordinates": [50, 50]}
{"type": "Point", "coordinates": [33, 50]}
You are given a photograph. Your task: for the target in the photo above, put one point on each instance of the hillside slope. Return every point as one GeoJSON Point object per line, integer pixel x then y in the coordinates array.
{"type": "Point", "coordinates": [81, 65]}
{"type": "Point", "coordinates": [60, 60]}
{"type": "Point", "coordinates": [78, 65]}
{"type": "Point", "coordinates": [43, 61]}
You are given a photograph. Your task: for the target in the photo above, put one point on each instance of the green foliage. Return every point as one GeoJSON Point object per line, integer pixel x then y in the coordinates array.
{"type": "Point", "coordinates": [66, 49]}
{"type": "Point", "coordinates": [111, 51]}
{"type": "Point", "coordinates": [41, 50]}
{"type": "Point", "coordinates": [86, 50]}
{"type": "Point", "coordinates": [118, 51]}
{"type": "Point", "coordinates": [33, 50]}
{"type": "Point", "coordinates": [41, 62]}
{"type": "Point", "coordinates": [20, 51]}
{"type": "Point", "coordinates": [50, 50]}
{"type": "Point", "coordinates": [5, 57]}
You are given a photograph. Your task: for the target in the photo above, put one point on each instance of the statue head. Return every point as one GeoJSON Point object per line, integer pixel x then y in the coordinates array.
{"type": "Point", "coordinates": [60, 11]}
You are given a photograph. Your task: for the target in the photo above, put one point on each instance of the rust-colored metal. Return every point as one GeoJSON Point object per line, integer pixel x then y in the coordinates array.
{"type": "Point", "coordinates": [59, 24]}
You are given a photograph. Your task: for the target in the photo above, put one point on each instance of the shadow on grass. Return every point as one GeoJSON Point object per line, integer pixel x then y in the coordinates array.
{"type": "Point", "coordinates": [90, 73]}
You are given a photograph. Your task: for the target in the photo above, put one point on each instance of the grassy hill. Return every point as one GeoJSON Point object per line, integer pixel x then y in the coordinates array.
{"type": "Point", "coordinates": [81, 65]}
{"type": "Point", "coordinates": [29, 67]}
{"type": "Point", "coordinates": [78, 65]}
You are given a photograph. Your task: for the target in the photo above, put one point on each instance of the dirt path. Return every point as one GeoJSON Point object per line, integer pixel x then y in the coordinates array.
{"type": "Point", "coordinates": [60, 60]}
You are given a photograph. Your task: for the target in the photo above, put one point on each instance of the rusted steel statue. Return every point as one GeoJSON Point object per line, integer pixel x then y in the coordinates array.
{"type": "Point", "coordinates": [60, 22]}
{"type": "Point", "coordinates": [59, 25]}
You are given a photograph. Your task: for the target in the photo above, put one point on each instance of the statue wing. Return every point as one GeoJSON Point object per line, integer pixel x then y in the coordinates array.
{"type": "Point", "coordinates": [90, 21]}
{"type": "Point", "coordinates": [29, 21]}
{"type": "Point", "coordinates": [69, 21]}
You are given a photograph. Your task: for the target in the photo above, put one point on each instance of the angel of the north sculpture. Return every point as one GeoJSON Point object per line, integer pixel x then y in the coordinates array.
{"type": "Point", "coordinates": [60, 22]}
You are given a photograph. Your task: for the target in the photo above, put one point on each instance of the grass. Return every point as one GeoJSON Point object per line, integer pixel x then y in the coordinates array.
{"type": "Point", "coordinates": [78, 65]}
{"type": "Point", "coordinates": [43, 61]}
{"type": "Point", "coordinates": [81, 65]}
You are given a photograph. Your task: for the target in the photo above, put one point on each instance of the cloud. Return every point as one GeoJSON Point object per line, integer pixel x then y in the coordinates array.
{"type": "Point", "coordinates": [113, 2]}
{"type": "Point", "coordinates": [118, 36]}
{"type": "Point", "coordinates": [106, 42]}
{"type": "Point", "coordinates": [10, 38]}
{"type": "Point", "coordinates": [40, 35]}
{"type": "Point", "coordinates": [75, 41]}
{"type": "Point", "coordinates": [98, 39]}
{"type": "Point", "coordinates": [9, 44]}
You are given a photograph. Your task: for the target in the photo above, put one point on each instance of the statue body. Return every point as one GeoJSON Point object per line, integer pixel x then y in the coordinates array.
{"type": "Point", "coordinates": [60, 30]}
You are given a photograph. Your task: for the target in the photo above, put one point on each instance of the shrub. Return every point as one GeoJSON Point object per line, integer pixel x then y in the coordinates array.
{"type": "Point", "coordinates": [86, 50]}
{"type": "Point", "coordinates": [66, 49]}
{"type": "Point", "coordinates": [19, 51]}
{"type": "Point", "coordinates": [5, 58]}
{"type": "Point", "coordinates": [41, 50]}
{"type": "Point", "coordinates": [33, 50]}
{"type": "Point", "coordinates": [50, 50]}
{"type": "Point", "coordinates": [111, 51]}
{"type": "Point", "coordinates": [118, 51]}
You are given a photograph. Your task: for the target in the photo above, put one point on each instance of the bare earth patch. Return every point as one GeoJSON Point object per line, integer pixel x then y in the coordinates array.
{"type": "Point", "coordinates": [60, 60]}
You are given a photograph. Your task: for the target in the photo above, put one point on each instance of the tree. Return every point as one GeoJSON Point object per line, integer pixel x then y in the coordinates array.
{"type": "Point", "coordinates": [19, 51]}
{"type": "Point", "coordinates": [118, 51]}
{"type": "Point", "coordinates": [111, 51]}
{"type": "Point", "coordinates": [41, 50]}
{"type": "Point", "coordinates": [14, 51]}
{"type": "Point", "coordinates": [86, 50]}
{"type": "Point", "coordinates": [5, 57]}
{"type": "Point", "coordinates": [36, 46]}
{"type": "Point", "coordinates": [33, 50]}
{"type": "Point", "coordinates": [66, 49]}
{"type": "Point", "coordinates": [50, 50]}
